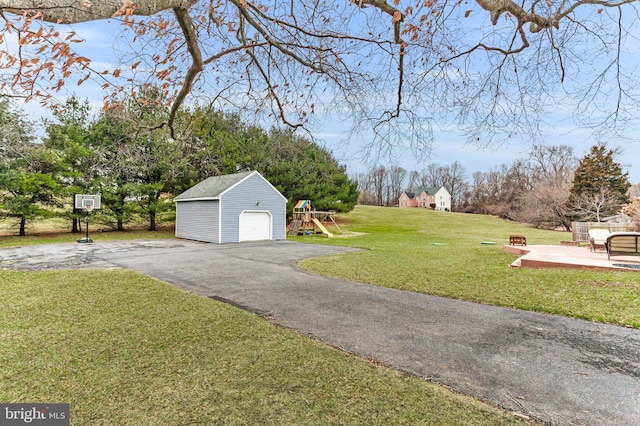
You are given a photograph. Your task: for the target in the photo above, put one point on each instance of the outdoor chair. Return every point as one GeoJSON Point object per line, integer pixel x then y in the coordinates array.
{"type": "Point", "coordinates": [623, 243]}
{"type": "Point", "coordinates": [597, 239]}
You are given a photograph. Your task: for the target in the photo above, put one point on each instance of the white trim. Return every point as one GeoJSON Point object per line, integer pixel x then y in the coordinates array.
{"type": "Point", "coordinates": [197, 199]}
{"type": "Point", "coordinates": [247, 177]}
{"type": "Point", "coordinates": [233, 186]}
{"type": "Point", "coordinates": [220, 222]}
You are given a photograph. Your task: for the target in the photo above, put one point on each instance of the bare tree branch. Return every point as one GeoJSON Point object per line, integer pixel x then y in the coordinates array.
{"type": "Point", "coordinates": [75, 11]}
{"type": "Point", "coordinates": [191, 39]}
{"type": "Point", "coordinates": [396, 67]}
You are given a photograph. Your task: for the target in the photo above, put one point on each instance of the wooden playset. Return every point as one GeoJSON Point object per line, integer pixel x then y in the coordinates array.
{"type": "Point", "coordinates": [307, 221]}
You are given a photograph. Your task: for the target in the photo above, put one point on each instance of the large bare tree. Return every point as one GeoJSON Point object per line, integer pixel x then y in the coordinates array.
{"type": "Point", "coordinates": [396, 67]}
{"type": "Point", "coordinates": [550, 170]}
{"type": "Point", "coordinates": [397, 178]}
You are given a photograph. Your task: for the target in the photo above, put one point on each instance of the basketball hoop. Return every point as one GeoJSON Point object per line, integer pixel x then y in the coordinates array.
{"type": "Point", "coordinates": [87, 203]}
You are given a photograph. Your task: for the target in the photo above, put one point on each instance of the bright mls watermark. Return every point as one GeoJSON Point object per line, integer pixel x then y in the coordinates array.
{"type": "Point", "coordinates": [34, 414]}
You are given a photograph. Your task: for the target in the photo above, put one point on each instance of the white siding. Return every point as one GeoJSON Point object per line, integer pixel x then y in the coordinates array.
{"type": "Point", "coordinates": [443, 199]}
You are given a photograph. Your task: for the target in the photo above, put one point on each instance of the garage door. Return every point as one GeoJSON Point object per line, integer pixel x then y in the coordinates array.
{"type": "Point", "coordinates": [255, 226]}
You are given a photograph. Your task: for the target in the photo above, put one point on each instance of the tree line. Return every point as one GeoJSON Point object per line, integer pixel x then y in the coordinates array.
{"type": "Point", "coordinates": [137, 167]}
{"type": "Point", "coordinates": [549, 188]}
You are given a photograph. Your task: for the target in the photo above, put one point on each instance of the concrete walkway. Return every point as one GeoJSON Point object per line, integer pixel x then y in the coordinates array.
{"type": "Point", "coordinates": [556, 369]}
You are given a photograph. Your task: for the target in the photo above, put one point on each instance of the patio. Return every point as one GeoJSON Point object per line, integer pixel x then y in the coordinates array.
{"type": "Point", "coordinates": [541, 256]}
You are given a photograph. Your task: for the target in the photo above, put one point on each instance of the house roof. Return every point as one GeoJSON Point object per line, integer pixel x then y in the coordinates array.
{"type": "Point", "coordinates": [303, 204]}
{"type": "Point", "coordinates": [429, 191]}
{"type": "Point", "coordinates": [213, 187]}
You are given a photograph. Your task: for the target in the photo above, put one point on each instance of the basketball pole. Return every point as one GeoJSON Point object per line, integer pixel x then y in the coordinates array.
{"type": "Point", "coordinates": [86, 239]}
{"type": "Point", "coordinates": [86, 228]}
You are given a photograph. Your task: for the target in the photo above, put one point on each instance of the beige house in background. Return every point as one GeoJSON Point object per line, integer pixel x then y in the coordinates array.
{"type": "Point", "coordinates": [437, 198]}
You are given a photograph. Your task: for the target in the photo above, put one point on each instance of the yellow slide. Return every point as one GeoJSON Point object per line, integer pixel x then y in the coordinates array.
{"type": "Point", "coordinates": [322, 228]}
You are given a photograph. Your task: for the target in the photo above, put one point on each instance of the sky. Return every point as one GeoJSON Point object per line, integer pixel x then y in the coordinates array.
{"type": "Point", "coordinates": [451, 146]}
{"type": "Point", "coordinates": [448, 145]}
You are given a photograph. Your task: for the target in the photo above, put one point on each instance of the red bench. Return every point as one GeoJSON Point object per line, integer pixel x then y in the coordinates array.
{"type": "Point", "coordinates": [520, 240]}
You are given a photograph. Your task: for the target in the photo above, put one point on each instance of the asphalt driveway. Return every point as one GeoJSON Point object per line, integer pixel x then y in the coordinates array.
{"type": "Point", "coordinates": [556, 369]}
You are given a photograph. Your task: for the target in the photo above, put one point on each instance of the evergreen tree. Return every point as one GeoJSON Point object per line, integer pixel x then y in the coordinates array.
{"type": "Point", "coordinates": [599, 185]}
{"type": "Point", "coordinates": [110, 139]}
{"type": "Point", "coordinates": [68, 137]}
{"type": "Point", "coordinates": [28, 190]}
{"type": "Point", "coordinates": [298, 168]}
{"type": "Point", "coordinates": [136, 167]}
{"type": "Point", "coordinates": [301, 170]}
{"type": "Point", "coordinates": [156, 152]}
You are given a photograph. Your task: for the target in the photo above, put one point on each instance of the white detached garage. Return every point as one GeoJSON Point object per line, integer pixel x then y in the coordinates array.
{"type": "Point", "coordinates": [230, 209]}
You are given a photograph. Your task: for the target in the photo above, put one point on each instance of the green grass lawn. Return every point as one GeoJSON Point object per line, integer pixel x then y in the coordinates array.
{"type": "Point", "coordinates": [400, 253]}
{"type": "Point", "coordinates": [125, 349]}
{"type": "Point", "coordinates": [65, 236]}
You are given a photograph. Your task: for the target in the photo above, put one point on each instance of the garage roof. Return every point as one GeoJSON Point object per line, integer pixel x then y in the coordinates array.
{"type": "Point", "coordinates": [212, 188]}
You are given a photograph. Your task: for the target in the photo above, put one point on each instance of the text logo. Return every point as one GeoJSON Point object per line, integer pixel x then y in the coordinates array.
{"type": "Point", "coordinates": [34, 414]}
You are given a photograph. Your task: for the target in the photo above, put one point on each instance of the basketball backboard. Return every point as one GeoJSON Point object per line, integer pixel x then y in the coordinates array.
{"type": "Point", "coordinates": [84, 200]}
